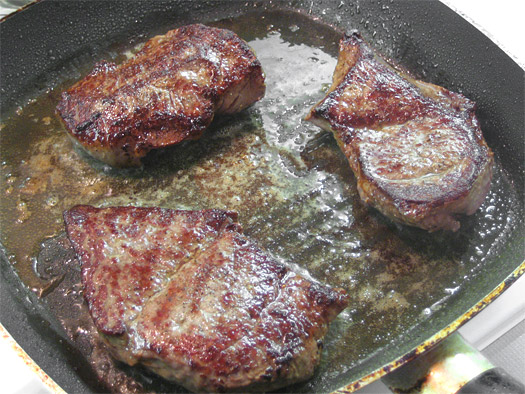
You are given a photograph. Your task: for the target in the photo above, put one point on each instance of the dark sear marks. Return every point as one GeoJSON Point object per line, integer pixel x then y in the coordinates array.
{"type": "Point", "coordinates": [186, 294]}
{"type": "Point", "coordinates": [167, 93]}
{"type": "Point", "coordinates": [415, 148]}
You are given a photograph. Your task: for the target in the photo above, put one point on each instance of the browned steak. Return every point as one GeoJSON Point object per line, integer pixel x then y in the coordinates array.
{"type": "Point", "coordinates": [415, 148]}
{"type": "Point", "coordinates": [167, 93]}
{"type": "Point", "coordinates": [186, 294]}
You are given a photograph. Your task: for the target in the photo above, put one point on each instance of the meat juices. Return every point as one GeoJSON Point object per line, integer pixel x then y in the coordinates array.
{"type": "Point", "coordinates": [167, 93]}
{"type": "Point", "coordinates": [416, 149]}
{"type": "Point", "coordinates": [186, 294]}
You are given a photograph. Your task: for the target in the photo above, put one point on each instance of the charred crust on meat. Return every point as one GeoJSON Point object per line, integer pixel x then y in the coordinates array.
{"type": "Point", "coordinates": [193, 299]}
{"type": "Point", "coordinates": [118, 113]}
{"type": "Point", "coordinates": [85, 125]}
{"type": "Point", "coordinates": [416, 148]}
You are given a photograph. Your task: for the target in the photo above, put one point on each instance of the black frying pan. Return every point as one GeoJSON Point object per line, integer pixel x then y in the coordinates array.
{"type": "Point", "coordinates": [410, 289]}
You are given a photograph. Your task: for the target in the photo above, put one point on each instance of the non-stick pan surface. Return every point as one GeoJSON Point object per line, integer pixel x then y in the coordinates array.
{"type": "Point", "coordinates": [291, 185]}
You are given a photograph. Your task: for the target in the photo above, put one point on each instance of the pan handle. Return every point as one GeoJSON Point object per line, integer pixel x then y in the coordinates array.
{"type": "Point", "coordinates": [494, 380]}
{"type": "Point", "coordinates": [452, 367]}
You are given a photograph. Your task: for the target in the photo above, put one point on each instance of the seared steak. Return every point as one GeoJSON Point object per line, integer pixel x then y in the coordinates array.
{"type": "Point", "coordinates": [167, 93]}
{"type": "Point", "coordinates": [186, 294]}
{"type": "Point", "coordinates": [415, 148]}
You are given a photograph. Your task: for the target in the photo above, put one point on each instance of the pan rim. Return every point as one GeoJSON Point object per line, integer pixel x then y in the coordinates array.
{"type": "Point", "coordinates": [436, 338]}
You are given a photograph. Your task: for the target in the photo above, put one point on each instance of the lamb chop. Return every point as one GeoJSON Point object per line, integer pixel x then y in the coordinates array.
{"type": "Point", "coordinates": [186, 294]}
{"type": "Point", "coordinates": [416, 149]}
{"type": "Point", "coordinates": [167, 93]}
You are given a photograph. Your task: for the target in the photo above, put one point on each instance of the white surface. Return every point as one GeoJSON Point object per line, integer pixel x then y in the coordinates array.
{"type": "Point", "coordinates": [499, 317]}
{"type": "Point", "coordinates": [508, 350]}
{"type": "Point", "coordinates": [502, 20]}
{"type": "Point", "coordinates": [16, 376]}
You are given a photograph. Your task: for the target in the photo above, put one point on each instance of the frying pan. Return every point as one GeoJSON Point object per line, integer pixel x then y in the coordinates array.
{"type": "Point", "coordinates": [409, 289]}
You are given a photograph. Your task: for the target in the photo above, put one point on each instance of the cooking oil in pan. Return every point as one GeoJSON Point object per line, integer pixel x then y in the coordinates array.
{"type": "Point", "coordinates": [291, 185]}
